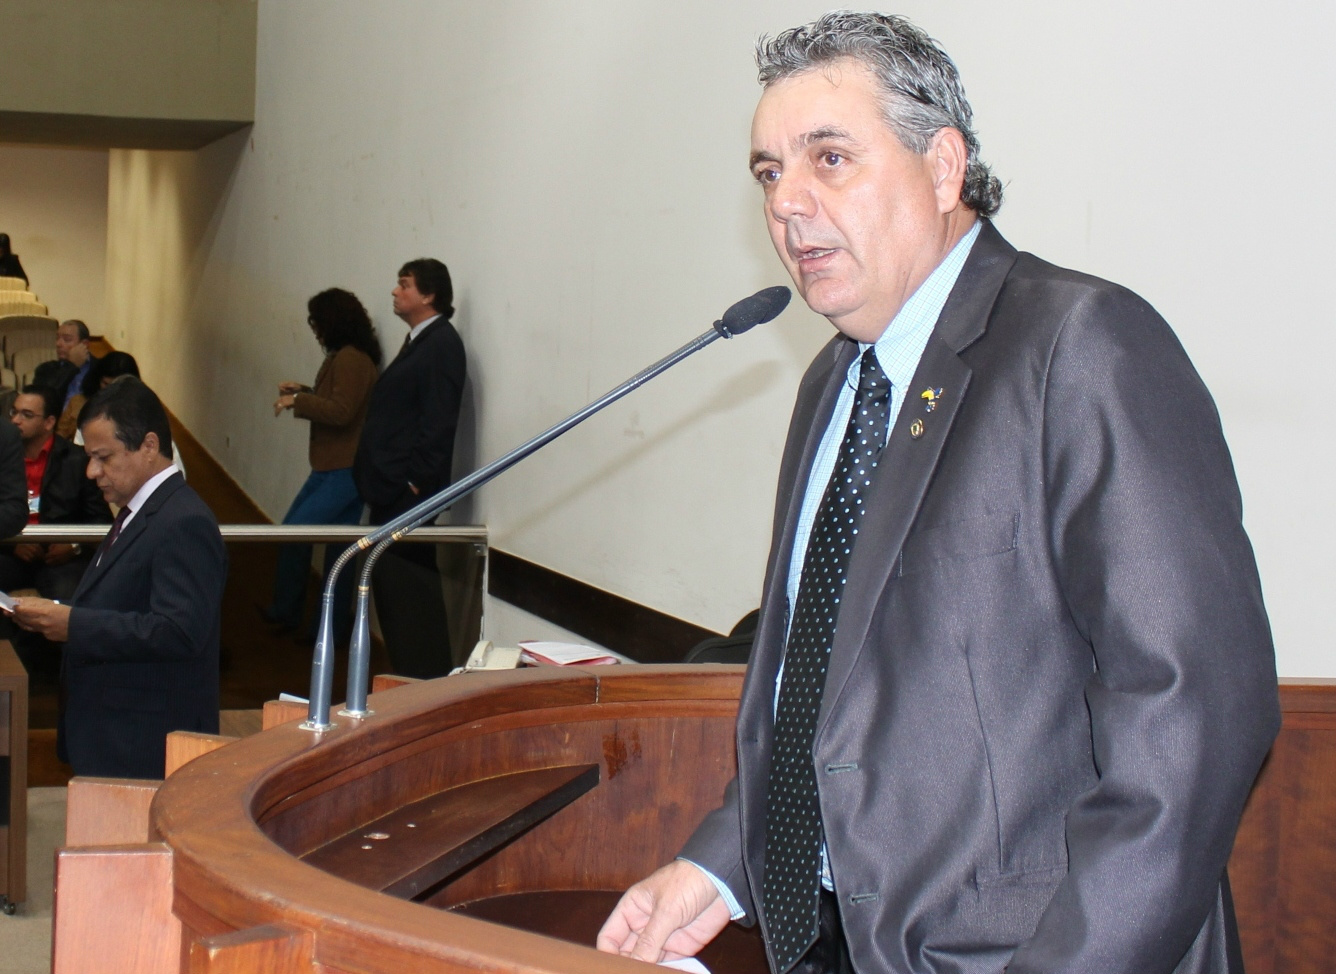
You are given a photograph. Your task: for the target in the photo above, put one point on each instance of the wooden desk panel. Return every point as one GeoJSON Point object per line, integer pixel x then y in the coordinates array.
{"type": "Point", "coordinates": [13, 778]}
{"type": "Point", "coordinates": [238, 819]}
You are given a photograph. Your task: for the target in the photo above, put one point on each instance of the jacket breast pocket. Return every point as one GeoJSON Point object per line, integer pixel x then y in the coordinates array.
{"type": "Point", "coordinates": [961, 541]}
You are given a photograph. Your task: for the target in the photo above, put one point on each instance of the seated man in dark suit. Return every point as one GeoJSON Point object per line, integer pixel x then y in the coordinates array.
{"type": "Point", "coordinates": [65, 373]}
{"type": "Point", "coordinates": [141, 632]}
{"type": "Point", "coordinates": [58, 493]}
{"type": "Point", "coordinates": [13, 492]}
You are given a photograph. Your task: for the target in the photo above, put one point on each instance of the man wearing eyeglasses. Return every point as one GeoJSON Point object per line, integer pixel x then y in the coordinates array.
{"type": "Point", "coordinates": [57, 493]}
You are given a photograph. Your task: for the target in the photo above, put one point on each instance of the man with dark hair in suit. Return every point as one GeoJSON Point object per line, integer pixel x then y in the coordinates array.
{"type": "Point", "coordinates": [141, 630]}
{"type": "Point", "coordinates": [65, 373]}
{"type": "Point", "coordinates": [58, 493]}
{"type": "Point", "coordinates": [404, 456]}
{"type": "Point", "coordinates": [1013, 677]}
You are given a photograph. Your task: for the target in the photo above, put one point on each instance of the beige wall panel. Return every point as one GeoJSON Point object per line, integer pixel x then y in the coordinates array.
{"type": "Point", "coordinates": [181, 59]}
{"type": "Point", "coordinates": [581, 168]}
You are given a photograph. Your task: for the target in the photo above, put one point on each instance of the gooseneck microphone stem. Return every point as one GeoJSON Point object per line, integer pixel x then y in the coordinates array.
{"type": "Point", "coordinates": [759, 308]}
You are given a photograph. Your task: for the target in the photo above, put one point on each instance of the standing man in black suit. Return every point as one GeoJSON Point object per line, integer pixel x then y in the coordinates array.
{"type": "Point", "coordinates": [1013, 676]}
{"type": "Point", "coordinates": [404, 456]}
{"type": "Point", "coordinates": [141, 631]}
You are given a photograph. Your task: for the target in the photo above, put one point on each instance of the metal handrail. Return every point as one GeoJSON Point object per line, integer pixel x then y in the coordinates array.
{"type": "Point", "coordinates": [278, 533]}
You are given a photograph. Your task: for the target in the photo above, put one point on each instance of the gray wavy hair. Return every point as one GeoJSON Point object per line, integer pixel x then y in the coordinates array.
{"type": "Point", "coordinates": [922, 88]}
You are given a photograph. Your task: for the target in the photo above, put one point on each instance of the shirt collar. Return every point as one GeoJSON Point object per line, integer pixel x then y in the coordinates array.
{"type": "Point", "coordinates": [901, 344]}
{"type": "Point", "coordinates": [45, 451]}
{"type": "Point", "coordinates": [417, 329]}
{"type": "Point", "coordinates": [142, 495]}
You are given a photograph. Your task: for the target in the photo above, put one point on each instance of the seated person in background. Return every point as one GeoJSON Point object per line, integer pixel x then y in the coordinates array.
{"type": "Point", "coordinates": [99, 375]}
{"type": "Point", "coordinates": [13, 484]}
{"type": "Point", "coordinates": [58, 493]}
{"type": "Point", "coordinates": [336, 408]}
{"type": "Point", "coordinates": [141, 631]}
{"type": "Point", "coordinates": [67, 370]}
{"type": "Point", "coordinates": [9, 261]}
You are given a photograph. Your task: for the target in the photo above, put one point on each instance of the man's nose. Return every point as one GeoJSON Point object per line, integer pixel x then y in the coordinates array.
{"type": "Point", "coordinates": [792, 197]}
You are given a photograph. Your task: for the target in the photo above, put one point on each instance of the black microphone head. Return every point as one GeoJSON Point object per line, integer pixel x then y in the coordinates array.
{"type": "Point", "coordinates": [755, 310]}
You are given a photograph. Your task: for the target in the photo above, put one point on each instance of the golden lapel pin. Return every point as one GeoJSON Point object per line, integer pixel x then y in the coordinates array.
{"type": "Point", "coordinates": [916, 429]}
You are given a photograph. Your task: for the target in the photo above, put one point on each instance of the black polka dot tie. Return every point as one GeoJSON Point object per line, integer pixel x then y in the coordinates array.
{"type": "Point", "coordinates": [792, 878]}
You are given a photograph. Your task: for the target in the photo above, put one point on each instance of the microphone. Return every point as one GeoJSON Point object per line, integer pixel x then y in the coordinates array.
{"type": "Point", "coordinates": [761, 307]}
{"type": "Point", "coordinates": [756, 310]}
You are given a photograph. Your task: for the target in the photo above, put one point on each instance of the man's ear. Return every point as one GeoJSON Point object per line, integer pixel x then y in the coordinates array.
{"type": "Point", "coordinates": [151, 443]}
{"type": "Point", "coordinates": [950, 158]}
{"type": "Point", "coordinates": [49, 423]}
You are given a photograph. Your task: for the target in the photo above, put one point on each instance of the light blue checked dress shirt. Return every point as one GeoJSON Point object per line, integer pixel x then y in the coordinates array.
{"type": "Point", "coordinates": [898, 350]}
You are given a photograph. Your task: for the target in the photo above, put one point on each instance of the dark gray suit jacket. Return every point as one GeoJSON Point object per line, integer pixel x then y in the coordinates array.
{"type": "Point", "coordinates": [142, 655]}
{"type": "Point", "coordinates": [1052, 681]}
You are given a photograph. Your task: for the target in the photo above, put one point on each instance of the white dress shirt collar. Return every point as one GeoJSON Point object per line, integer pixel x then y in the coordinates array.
{"type": "Point", "coordinates": [142, 495]}
{"type": "Point", "coordinates": [417, 329]}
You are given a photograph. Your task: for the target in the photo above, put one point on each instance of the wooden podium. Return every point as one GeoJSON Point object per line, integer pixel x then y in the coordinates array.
{"type": "Point", "coordinates": [487, 822]}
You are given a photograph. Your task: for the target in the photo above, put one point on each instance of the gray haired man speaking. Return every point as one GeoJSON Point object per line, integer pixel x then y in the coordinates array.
{"type": "Point", "coordinates": [1013, 677]}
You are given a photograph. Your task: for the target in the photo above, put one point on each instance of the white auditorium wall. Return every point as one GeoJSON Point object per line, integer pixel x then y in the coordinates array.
{"type": "Point", "coordinates": [53, 205]}
{"type": "Point", "coordinates": [581, 168]}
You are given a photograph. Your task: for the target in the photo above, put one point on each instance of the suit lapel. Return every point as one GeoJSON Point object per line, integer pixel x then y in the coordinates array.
{"type": "Point", "coordinates": [912, 452]}
{"type": "Point", "coordinates": [416, 343]}
{"type": "Point", "coordinates": [129, 534]}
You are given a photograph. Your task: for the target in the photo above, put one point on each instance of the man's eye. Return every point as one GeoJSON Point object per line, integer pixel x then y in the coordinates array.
{"type": "Point", "coordinates": [831, 158]}
{"type": "Point", "coordinates": [767, 175]}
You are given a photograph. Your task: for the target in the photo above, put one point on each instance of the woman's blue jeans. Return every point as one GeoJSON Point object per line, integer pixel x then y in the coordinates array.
{"type": "Point", "coordinates": [327, 497]}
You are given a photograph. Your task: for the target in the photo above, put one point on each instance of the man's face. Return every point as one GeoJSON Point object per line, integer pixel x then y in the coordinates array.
{"type": "Point", "coordinates": [119, 471]}
{"type": "Point", "coordinates": [27, 414]}
{"type": "Point", "coordinates": [69, 347]}
{"type": "Point", "coordinates": [858, 220]}
{"type": "Point", "coordinates": [409, 303]}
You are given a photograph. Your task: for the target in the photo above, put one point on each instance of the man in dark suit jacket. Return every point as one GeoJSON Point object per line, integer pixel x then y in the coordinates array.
{"type": "Point", "coordinates": [141, 632]}
{"type": "Point", "coordinates": [65, 373]}
{"type": "Point", "coordinates": [64, 495]}
{"type": "Point", "coordinates": [1049, 682]}
{"type": "Point", "coordinates": [58, 493]}
{"type": "Point", "coordinates": [13, 483]}
{"type": "Point", "coordinates": [404, 456]}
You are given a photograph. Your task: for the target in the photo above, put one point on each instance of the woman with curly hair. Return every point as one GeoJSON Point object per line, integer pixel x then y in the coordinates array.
{"type": "Point", "coordinates": [336, 409]}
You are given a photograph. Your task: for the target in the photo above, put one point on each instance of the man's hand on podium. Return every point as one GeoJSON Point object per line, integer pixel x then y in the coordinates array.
{"type": "Point", "coordinates": [672, 913]}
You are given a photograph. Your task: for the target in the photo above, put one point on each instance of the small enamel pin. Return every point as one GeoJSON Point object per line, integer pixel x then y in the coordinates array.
{"type": "Point", "coordinates": [930, 397]}
{"type": "Point", "coordinates": [916, 429]}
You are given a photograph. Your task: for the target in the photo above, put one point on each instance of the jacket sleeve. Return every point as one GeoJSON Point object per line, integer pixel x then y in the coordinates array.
{"type": "Point", "coordinates": [13, 483]}
{"type": "Point", "coordinates": [351, 376]}
{"type": "Point", "coordinates": [716, 846]}
{"type": "Point", "coordinates": [1145, 526]}
{"type": "Point", "coordinates": [186, 574]}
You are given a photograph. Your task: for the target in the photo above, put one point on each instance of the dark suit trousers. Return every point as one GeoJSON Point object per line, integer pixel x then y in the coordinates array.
{"type": "Point", "coordinates": [406, 583]}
